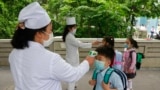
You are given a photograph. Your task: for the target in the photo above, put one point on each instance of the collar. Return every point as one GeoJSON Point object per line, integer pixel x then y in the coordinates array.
{"type": "Point", "coordinates": [104, 71]}
{"type": "Point", "coordinates": [71, 33]}
{"type": "Point", "coordinates": [33, 43]}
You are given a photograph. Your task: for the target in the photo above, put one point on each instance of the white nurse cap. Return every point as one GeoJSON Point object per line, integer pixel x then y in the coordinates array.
{"type": "Point", "coordinates": [34, 16]}
{"type": "Point", "coordinates": [70, 20]}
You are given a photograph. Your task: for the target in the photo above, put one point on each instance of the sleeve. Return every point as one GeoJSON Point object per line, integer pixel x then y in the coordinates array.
{"type": "Point", "coordinates": [116, 82]}
{"type": "Point", "coordinates": [133, 60]}
{"type": "Point", "coordinates": [62, 71]}
{"type": "Point", "coordinates": [78, 43]}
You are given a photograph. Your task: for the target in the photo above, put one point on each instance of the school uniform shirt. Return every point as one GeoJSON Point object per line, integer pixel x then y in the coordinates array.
{"type": "Point", "coordinates": [36, 68]}
{"type": "Point", "coordinates": [114, 80]}
{"type": "Point", "coordinates": [72, 45]}
{"type": "Point", "coordinates": [129, 62]}
{"type": "Point", "coordinates": [117, 60]}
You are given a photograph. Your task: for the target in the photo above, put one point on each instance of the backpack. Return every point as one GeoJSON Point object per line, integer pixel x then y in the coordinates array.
{"type": "Point", "coordinates": [117, 62]}
{"type": "Point", "coordinates": [139, 57]}
{"type": "Point", "coordinates": [107, 75]}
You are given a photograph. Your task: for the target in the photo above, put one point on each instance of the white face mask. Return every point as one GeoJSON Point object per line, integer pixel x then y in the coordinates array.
{"type": "Point", "coordinates": [74, 31]}
{"type": "Point", "coordinates": [49, 41]}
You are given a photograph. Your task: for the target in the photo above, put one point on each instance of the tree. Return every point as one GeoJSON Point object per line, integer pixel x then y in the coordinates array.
{"type": "Point", "coordinates": [147, 8]}
{"type": "Point", "coordinates": [9, 10]}
{"type": "Point", "coordinates": [91, 13]}
{"type": "Point", "coordinates": [95, 18]}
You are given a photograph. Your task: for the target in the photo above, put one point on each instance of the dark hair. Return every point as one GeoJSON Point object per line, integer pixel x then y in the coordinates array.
{"type": "Point", "coordinates": [133, 42]}
{"type": "Point", "coordinates": [22, 36]}
{"type": "Point", "coordinates": [109, 40]}
{"type": "Point", "coordinates": [66, 31]}
{"type": "Point", "coordinates": [106, 51]}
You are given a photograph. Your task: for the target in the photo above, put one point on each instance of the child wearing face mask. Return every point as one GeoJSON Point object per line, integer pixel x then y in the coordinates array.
{"type": "Point", "coordinates": [117, 61]}
{"type": "Point", "coordinates": [102, 64]}
{"type": "Point", "coordinates": [130, 60]}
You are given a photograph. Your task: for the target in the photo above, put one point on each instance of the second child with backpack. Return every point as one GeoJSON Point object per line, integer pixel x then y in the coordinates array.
{"type": "Point", "coordinates": [129, 58]}
{"type": "Point", "coordinates": [117, 60]}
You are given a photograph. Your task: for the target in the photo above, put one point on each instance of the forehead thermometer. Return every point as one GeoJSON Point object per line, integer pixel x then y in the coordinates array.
{"type": "Point", "coordinates": [93, 53]}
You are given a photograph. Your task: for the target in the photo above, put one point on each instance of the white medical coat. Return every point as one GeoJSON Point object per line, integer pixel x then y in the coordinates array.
{"type": "Point", "coordinates": [35, 68]}
{"type": "Point", "coordinates": [72, 45]}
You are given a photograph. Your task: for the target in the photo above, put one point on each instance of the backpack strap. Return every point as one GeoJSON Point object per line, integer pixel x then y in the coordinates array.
{"type": "Point", "coordinates": [130, 54]}
{"type": "Point", "coordinates": [123, 78]}
{"type": "Point", "coordinates": [118, 72]}
{"type": "Point", "coordinates": [94, 76]}
{"type": "Point", "coordinates": [107, 75]}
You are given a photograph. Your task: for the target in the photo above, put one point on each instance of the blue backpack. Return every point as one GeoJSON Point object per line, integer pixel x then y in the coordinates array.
{"type": "Point", "coordinates": [107, 75]}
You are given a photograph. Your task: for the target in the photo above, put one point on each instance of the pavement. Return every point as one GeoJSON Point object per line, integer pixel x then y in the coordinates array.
{"type": "Point", "coordinates": [146, 79]}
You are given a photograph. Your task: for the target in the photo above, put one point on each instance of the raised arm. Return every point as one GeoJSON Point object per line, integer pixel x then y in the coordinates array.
{"type": "Point", "coordinates": [63, 71]}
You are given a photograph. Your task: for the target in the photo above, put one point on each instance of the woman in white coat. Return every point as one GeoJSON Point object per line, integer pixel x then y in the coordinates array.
{"type": "Point", "coordinates": [72, 44]}
{"type": "Point", "coordinates": [33, 67]}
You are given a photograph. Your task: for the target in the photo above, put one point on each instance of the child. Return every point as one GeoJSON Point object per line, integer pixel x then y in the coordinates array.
{"type": "Point", "coordinates": [117, 61]}
{"type": "Point", "coordinates": [129, 58]}
{"type": "Point", "coordinates": [102, 64]}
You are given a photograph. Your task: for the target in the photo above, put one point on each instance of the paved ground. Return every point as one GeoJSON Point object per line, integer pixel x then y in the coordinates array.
{"type": "Point", "coordinates": [145, 80]}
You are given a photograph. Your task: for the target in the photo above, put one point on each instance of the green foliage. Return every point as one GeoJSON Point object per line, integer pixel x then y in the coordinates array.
{"type": "Point", "coordinates": [95, 18]}
{"type": "Point", "coordinates": [9, 10]}
{"type": "Point", "coordinates": [106, 16]}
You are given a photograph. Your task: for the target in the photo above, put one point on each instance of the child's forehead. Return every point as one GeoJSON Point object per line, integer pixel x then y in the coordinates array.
{"type": "Point", "coordinates": [99, 56]}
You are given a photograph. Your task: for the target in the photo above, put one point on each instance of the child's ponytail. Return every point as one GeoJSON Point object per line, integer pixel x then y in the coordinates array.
{"type": "Point", "coordinates": [133, 42]}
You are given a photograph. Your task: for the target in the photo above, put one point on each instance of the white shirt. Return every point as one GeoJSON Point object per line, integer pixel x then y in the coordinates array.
{"type": "Point", "coordinates": [72, 45]}
{"type": "Point", "coordinates": [143, 28]}
{"type": "Point", "coordinates": [36, 68]}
